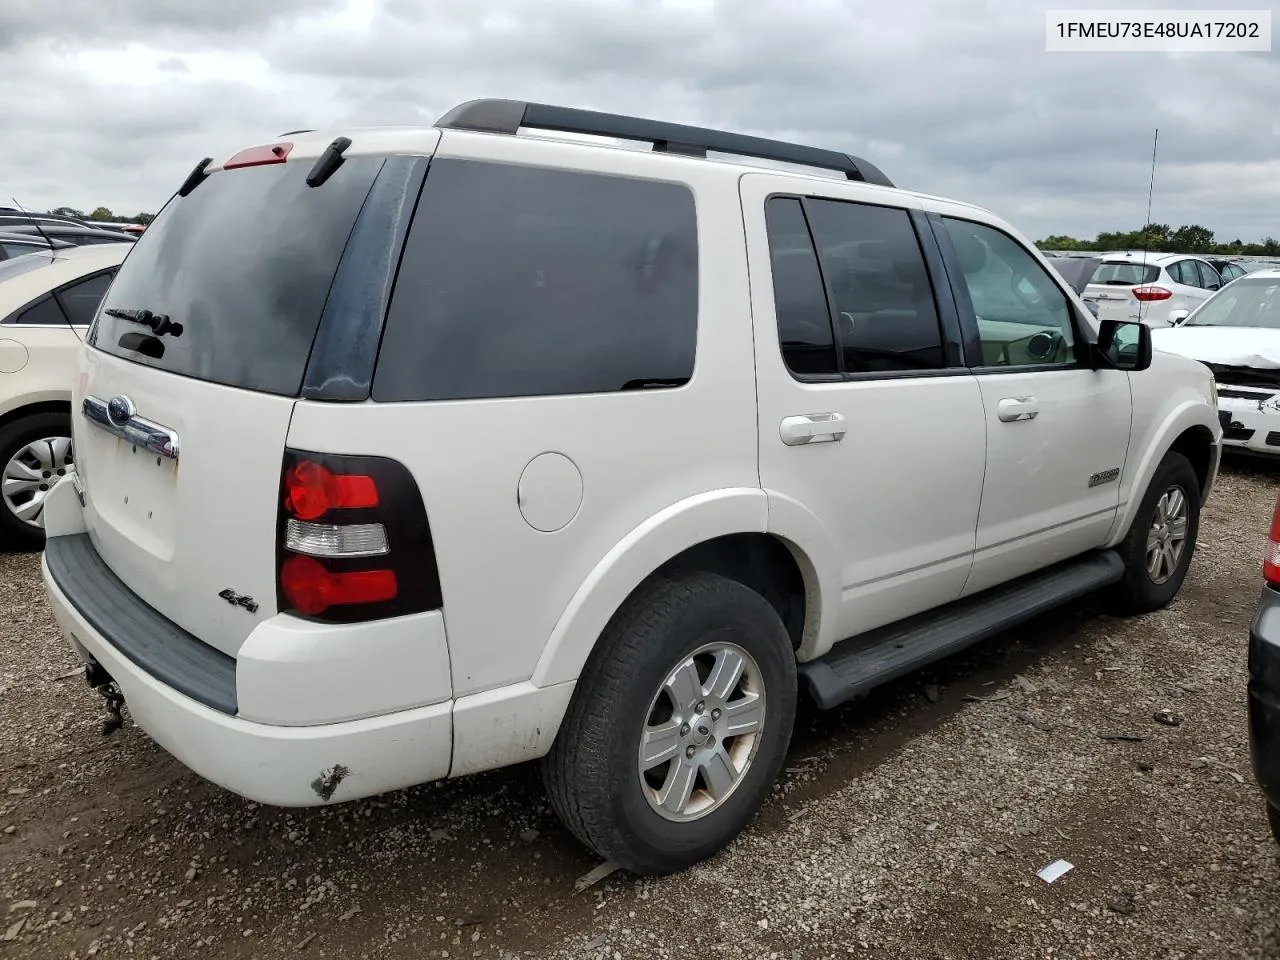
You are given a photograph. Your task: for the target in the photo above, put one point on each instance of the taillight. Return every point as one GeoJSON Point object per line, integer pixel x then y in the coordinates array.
{"type": "Point", "coordinates": [1148, 293]}
{"type": "Point", "coordinates": [311, 490]}
{"type": "Point", "coordinates": [258, 156]}
{"type": "Point", "coordinates": [1271, 559]}
{"type": "Point", "coordinates": [354, 542]}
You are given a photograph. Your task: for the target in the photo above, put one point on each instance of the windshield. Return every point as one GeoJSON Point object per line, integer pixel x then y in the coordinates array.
{"type": "Point", "coordinates": [1247, 302]}
{"type": "Point", "coordinates": [228, 284]}
{"type": "Point", "coordinates": [1124, 273]}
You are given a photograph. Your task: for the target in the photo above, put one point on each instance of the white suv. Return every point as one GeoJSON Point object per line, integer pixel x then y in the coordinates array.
{"type": "Point", "coordinates": [487, 446]}
{"type": "Point", "coordinates": [1135, 285]}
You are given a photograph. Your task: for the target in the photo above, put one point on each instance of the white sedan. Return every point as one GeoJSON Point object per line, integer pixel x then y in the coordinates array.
{"type": "Point", "coordinates": [46, 303]}
{"type": "Point", "coordinates": [1237, 334]}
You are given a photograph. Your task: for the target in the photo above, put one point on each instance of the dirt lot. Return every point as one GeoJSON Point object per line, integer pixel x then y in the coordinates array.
{"type": "Point", "coordinates": [909, 825]}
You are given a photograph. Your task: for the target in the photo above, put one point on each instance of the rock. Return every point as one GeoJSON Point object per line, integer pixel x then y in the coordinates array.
{"type": "Point", "coordinates": [14, 930]}
{"type": "Point", "coordinates": [931, 692]}
{"type": "Point", "coordinates": [528, 836]}
{"type": "Point", "coordinates": [1168, 718]}
{"type": "Point", "coordinates": [191, 873]}
{"type": "Point", "coordinates": [10, 830]}
{"type": "Point", "coordinates": [1121, 905]}
{"type": "Point", "coordinates": [23, 905]}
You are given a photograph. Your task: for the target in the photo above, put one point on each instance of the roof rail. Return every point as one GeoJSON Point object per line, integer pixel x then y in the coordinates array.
{"type": "Point", "coordinates": [508, 116]}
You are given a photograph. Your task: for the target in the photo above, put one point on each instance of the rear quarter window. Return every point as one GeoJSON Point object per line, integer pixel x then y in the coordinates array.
{"type": "Point", "coordinates": [527, 281]}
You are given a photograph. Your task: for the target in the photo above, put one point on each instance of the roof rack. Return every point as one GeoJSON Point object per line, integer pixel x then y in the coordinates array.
{"type": "Point", "coordinates": [508, 116]}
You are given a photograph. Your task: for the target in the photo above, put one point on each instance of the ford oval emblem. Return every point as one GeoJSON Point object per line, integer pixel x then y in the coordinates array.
{"type": "Point", "coordinates": [120, 410]}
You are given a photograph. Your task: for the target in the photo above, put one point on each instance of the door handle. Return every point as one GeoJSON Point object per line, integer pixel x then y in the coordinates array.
{"type": "Point", "coordinates": [1011, 409]}
{"type": "Point", "coordinates": [812, 428]}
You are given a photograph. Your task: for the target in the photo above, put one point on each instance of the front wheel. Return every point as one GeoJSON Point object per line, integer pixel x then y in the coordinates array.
{"type": "Point", "coordinates": [1158, 548]}
{"type": "Point", "coordinates": [35, 453]}
{"type": "Point", "coordinates": [679, 725]}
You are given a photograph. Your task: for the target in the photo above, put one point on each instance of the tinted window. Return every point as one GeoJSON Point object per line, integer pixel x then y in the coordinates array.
{"type": "Point", "coordinates": [1023, 317]}
{"type": "Point", "coordinates": [1184, 271]}
{"type": "Point", "coordinates": [1122, 273]}
{"type": "Point", "coordinates": [1210, 279]}
{"type": "Point", "coordinates": [244, 263]}
{"type": "Point", "coordinates": [44, 311]}
{"type": "Point", "coordinates": [80, 300]}
{"type": "Point", "coordinates": [804, 321]}
{"type": "Point", "coordinates": [884, 306]}
{"type": "Point", "coordinates": [524, 281]}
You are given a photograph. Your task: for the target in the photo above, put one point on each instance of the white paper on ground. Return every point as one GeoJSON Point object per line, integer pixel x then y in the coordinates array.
{"type": "Point", "coordinates": [1054, 870]}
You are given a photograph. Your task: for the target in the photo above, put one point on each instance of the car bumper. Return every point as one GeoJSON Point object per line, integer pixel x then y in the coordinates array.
{"type": "Point", "coordinates": [1264, 695]}
{"type": "Point", "coordinates": [292, 766]}
{"type": "Point", "coordinates": [1249, 425]}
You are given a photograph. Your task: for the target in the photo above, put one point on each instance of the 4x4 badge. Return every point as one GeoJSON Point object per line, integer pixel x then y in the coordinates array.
{"type": "Point", "coordinates": [239, 600]}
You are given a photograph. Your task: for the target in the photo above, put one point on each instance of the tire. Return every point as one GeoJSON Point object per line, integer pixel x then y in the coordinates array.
{"type": "Point", "coordinates": [1273, 818]}
{"type": "Point", "coordinates": [593, 772]}
{"type": "Point", "coordinates": [15, 532]}
{"type": "Point", "coordinates": [1141, 591]}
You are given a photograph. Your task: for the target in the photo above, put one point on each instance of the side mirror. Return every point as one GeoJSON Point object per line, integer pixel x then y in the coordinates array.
{"type": "Point", "coordinates": [1177, 316]}
{"type": "Point", "coordinates": [1123, 345]}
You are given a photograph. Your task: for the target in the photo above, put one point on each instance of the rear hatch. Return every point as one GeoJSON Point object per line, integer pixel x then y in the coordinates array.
{"type": "Point", "coordinates": [204, 338]}
{"type": "Point", "coordinates": [1112, 288]}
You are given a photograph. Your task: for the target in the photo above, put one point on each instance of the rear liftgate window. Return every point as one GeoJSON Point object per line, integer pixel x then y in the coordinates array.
{"type": "Point", "coordinates": [244, 264]}
{"type": "Point", "coordinates": [524, 281]}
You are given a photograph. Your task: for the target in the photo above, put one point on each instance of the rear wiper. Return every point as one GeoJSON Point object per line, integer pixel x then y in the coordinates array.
{"type": "Point", "coordinates": [159, 323]}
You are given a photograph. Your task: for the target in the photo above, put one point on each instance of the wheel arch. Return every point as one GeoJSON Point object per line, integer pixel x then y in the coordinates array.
{"type": "Point", "coordinates": [725, 532]}
{"type": "Point", "coordinates": [1188, 429]}
{"type": "Point", "coordinates": [33, 408]}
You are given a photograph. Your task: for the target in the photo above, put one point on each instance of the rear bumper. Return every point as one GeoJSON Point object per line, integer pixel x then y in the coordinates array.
{"type": "Point", "coordinates": [292, 766]}
{"type": "Point", "coordinates": [1264, 695]}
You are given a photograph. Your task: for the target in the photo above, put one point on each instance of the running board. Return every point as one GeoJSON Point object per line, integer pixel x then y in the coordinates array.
{"type": "Point", "coordinates": [855, 666]}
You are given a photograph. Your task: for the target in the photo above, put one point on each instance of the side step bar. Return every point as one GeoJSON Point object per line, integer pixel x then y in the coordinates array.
{"type": "Point", "coordinates": [855, 666]}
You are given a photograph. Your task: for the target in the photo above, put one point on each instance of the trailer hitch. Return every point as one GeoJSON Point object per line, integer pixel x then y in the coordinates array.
{"type": "Point", "coordinates": [101, 681]}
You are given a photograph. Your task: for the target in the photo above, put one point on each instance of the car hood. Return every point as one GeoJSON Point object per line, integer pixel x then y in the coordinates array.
{"type": "Point", "coordinates": [1256, 347]}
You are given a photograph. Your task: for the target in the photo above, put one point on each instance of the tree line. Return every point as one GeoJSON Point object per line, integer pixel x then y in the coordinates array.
{"type": "Point", "coordinates": [103, 215]}
{"type": "Point", "coordinates": [1161, 237]}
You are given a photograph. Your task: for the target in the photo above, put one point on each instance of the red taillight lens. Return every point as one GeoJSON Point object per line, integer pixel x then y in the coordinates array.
{"type": "Point", "coordinates": [311, 588]}
{"type": "Point", "coordinates": [1271, 559]}
{"type": "Point", "coordinates": [311, 491]}
{"type": "Point", "coordinates": [1147, 294]}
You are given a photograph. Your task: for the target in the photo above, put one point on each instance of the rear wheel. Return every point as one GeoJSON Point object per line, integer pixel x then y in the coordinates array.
{"type": "Point", "coordinates": [35, 453]}
{"type": "Point", "coordinates": [679, 725]}
{"type": "Point", "coordinates": [1157, 551]}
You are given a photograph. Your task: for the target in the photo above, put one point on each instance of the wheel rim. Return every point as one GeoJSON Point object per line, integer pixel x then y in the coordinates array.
{"type": "Point", "coordinates": [31, 473]}
{"type": "Point", "coordinates": [1167, 538]}
{"type": "Point", "coordinates": [701, 732]}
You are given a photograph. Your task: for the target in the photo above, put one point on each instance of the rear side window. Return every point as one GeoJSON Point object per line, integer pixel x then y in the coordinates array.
{"type": "Point", "coordinates": [80, 299]}
{"type": "Point", "coordinates": [885, 314]}
{"type": "Point", "coordinates": [804, 320]}
{"type": "Point", "coordinates": [862, 266]}
{"type": "Point", "coordinates": [45, 312]}
{"type": "Point", "coordinates": [1117, 273]}
{"type": "Point", "coordinates": [244, 263]}
{"type": "Point", "coordinates": [525, 281]}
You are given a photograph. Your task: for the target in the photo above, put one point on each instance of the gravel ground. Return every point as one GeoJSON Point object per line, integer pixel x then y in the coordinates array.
{"type": "Point", "coordinates": [908, 825]}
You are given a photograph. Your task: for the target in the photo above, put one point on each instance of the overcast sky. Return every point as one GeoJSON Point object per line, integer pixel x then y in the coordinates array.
{"type": "Point", "coordinates": [113, 101]}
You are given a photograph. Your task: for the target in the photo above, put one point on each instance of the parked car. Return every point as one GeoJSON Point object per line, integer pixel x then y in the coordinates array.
{"type": "Point", "coordinates": [80, 236]}
{"type": "Point", "coordinates": [46, 303]}
{"type": "Point", "coordinates": [17, 244]}
{"type": "Point", "coordinates": [1264, 680]}
{"type": "Point", "coordinates": [1228, 269]}
{"type": "Point", "coordinates": [1237, 334]}
{"type": "Point", "coordinates": [603, 406]}
{"type": "Point", "coordinates": [1135, 285]}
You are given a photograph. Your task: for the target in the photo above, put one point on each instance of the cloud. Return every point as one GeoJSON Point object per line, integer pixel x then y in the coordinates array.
{"type": "Point", "coordinates": [956, 99]}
